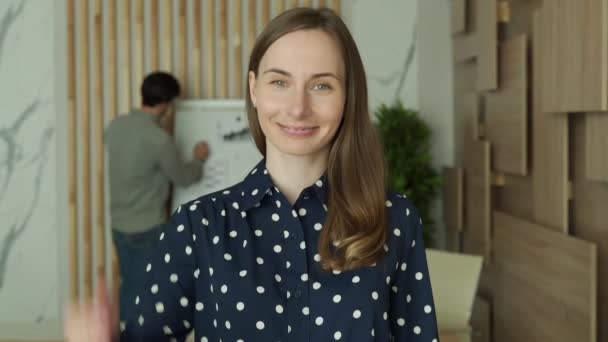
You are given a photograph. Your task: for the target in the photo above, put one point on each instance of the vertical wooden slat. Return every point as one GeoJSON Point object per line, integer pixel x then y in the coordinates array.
{"type": "Point", "coordinates": [251, 13]}
{"type": "Point", "coordinates": [100, 236]}
{"type": "Point", "coordinates": [280, 6]}
{"type": "Point", "coordinates": [307, 3]}
{"type": "Point", "coordinates": [111, 74]}
{"type": "Point", "coordinates": [139, 47]}
{"type": "Point", "coordinates": [337, 7]}
{"type": "Point", "coordinates": [72, 185]}
{"type": "Point", "coordinates": [126, 57]}
{"type": "Point", "coordinates": [181, 48]}
{"type": "Point", "coordinates": [265, 12]}
{"type": "Point", "coordinates": [168, 29]}
{"type": "Point", "coordinates": [223, 50]}
{"type": "Point", "coordinates": [196, 50]}
{"type": "Point", "coordinates": [154, 35]}
{"type": "Point", "coordinates": [210, 49]}
{"type": "Point", "coordinates": [238, 60]}
{"type": "Point", "coordinates": [321, 3]}
{"type": "Point", "coordinates": [293, 3]}
{"type": "Point", "coordinates": [86, 147]}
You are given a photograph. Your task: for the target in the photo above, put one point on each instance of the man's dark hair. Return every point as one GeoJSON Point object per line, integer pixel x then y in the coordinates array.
{"type": "Point", "coordinates": [159, 87]}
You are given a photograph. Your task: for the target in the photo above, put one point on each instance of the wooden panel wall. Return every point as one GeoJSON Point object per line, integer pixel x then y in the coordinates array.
{"type": "Point", "coordinates": [546, 284]}
{"type": "Point", "coordinates": [545, 123]}
{"type": "Point", "coordinates": [506, 125]}
{"type": "Point", "coordinates": [104, 76]}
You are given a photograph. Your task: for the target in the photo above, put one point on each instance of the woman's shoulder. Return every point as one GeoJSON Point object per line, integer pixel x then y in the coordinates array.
{"type": "Point", "coordinates": [401, 212]}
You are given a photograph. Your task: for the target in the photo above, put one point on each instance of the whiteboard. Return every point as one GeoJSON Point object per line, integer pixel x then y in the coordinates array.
{"type": "Point", "coordinates": [232, 152]}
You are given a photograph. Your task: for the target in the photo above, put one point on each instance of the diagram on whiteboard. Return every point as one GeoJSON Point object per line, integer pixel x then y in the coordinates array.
{"type": "Point", "coordinates": [232, 152]}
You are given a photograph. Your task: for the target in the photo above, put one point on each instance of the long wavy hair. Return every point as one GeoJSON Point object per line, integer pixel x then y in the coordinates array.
{"type": "Point", "coordinates": [354, 231]}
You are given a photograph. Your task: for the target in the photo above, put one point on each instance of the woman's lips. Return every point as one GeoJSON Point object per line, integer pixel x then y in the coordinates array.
{"type": "Point", "coordinates": [299, 131]}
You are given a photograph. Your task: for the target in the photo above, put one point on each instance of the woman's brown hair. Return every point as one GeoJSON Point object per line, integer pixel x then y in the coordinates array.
{"type": "Point", "coordinates": [355, 222]}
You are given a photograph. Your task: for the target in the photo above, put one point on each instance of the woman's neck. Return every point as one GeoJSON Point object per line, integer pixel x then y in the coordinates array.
{"type": "Point", "coordinates": [292, 173]}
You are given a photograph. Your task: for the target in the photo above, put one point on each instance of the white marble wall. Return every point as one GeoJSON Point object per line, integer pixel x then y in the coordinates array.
{"type": "Point", "coordinates": [385, 32]}
{"type": "Point", "coordinates": [435, 88]}
{"type": "Point", "coordinates": [29, 276]}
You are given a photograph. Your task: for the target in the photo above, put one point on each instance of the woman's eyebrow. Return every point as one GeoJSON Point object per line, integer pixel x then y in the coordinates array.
{"type": "Point", "coordinates": [319, 75]}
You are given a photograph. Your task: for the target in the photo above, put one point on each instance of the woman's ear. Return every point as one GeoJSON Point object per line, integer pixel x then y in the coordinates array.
{"type": "Point", "coordinates": [252, 81]}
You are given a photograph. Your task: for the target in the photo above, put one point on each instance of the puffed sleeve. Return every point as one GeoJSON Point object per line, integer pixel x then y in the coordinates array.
{"type": "Point", "coordinates": [164, 306]}
{"type": "Point", "coordinates": [412, 311]}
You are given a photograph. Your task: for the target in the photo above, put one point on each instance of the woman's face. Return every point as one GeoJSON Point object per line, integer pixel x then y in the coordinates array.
{"type": "Point", "coordinates": [299, 93]}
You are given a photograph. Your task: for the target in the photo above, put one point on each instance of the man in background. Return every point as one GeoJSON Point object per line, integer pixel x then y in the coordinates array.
{"type": "Point", "coordinates": [143, 162]}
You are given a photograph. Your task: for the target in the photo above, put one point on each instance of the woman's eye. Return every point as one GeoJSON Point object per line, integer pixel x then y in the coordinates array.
{"type": "Point", "coordinates": [322, 86]}
{"type": "Point", "coordinates": [279, 83]}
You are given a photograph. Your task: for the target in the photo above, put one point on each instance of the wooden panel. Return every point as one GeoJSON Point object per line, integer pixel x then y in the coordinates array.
{"type": "Point", "coordinates": [465, 47]}
{"type": "Point", "coordinates": [251, 23]}
{"type": "Point", "coordinates": [453, 198]}
{"type": "Point", "coordinates": [138, 58]}
{"type": "Point", "coordinates": [126, 57]}
{"type": "Point", "coordinates": [84, 113]}
{"type": "Point", "coordinates": [546, 285]}
{"type": "Point", "coordinates": [167, 35]}
{"type": "Point", "coordinates": [265, 12]}
{"type": "Point", "coordinates": [506, 110]}
{"type": "Point", "coordinates": [337, 7]}
{"type": "Point", "coordinates": [181, 48]}
{"type": "Point", "coordinates": [589, 216]}
{"type": "Point", "coordinates": [458, 10]}
{"type": "Point", "coordinates": [574, 40]}
{"type": "Point", "coordinates": [487, 35]}
{"type": "Point", "coordinates": [280, 6]}
{"type": "Point", "coordinates": [471, 116]}
{"type": "Point", "coordinates": [476, 239]}
{"type": "Point", "coordinates": [237, 66]}
{"type": "Point", "coordinates": [209, 50]}
{"type": "Point", "coordinates": [100, 236]}
{"type": "Point", "coordinates": [550, 148]}
{"type": "Point", "coordinates": [515, 197]}
{"type": "Point", "coordinates": [480, 321]}
{"type": "Point", "coordinates": [223, 46]}
{"type": "Point", "coordinates": [480, 42]}
{"type": "Point", "coordinates": [196, 50]}
{"type": "Point", "coordinates": [111, 101]}
{"type": "Point", "coordinates": [307, 3]}
{"type": "Point", "coordinates": [596, 147]}
{"type": "Point", "coordinates": [154, 19]}
{"type": "Point", "coordinates": [293, 3]}
{"type": "Point", "coordinates": [464, 84]}
{"type": "Point", "coordinates": [72, 152]}
{"type": "Point", "coordinates": [520, 20]}
{"type": "Point", "coordinates": [321, 3]}
{"type": "Point", "coordinates": [504, 11]}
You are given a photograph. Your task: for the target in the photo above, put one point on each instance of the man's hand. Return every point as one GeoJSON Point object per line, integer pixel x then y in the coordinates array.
{"type": "Point", "coordinates": [201, 151]}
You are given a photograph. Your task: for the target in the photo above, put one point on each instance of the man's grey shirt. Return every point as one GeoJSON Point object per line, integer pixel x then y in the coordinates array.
{"type": "Point", "coordinates": [143, 161]}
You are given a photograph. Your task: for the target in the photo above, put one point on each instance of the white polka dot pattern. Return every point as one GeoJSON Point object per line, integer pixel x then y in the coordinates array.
{"type": "Point", "coordinates": [265, 279]}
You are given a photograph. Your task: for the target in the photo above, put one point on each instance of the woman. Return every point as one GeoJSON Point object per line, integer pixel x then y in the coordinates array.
{"type": "Point", "coordinates": [309, 246]}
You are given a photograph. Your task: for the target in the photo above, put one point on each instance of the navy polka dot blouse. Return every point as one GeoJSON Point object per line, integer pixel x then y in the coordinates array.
{"type": "Point", "coordinates": [242, 265]}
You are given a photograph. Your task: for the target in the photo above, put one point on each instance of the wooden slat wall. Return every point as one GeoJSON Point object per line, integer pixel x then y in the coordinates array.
{"type": "Point", "coordinates": [154, 34]}
{"type": "Point", "coordinates": [546, 275]}
{"type": "Point", "coordinates": [126, 57]}
{"type": "Point", "coordinates": [72, 152]}
{"type": "Point", "coordinates": [85, 144]}
{"type": "Point", "coordinates": [506, 119]}
{"type": "Point", "coordinates": [100, 236]}
{"type": "Point", "coordinates": [114, 78]}
{"type": "Point", "coordinates": [545, 124]}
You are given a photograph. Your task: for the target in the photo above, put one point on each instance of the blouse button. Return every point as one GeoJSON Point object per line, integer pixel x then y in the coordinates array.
{"type": "Point", "coordinates": [297, 294]}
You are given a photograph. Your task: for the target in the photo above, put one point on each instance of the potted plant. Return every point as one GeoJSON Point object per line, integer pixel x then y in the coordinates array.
{"type": "Point", "coordinates": [406, 140]}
